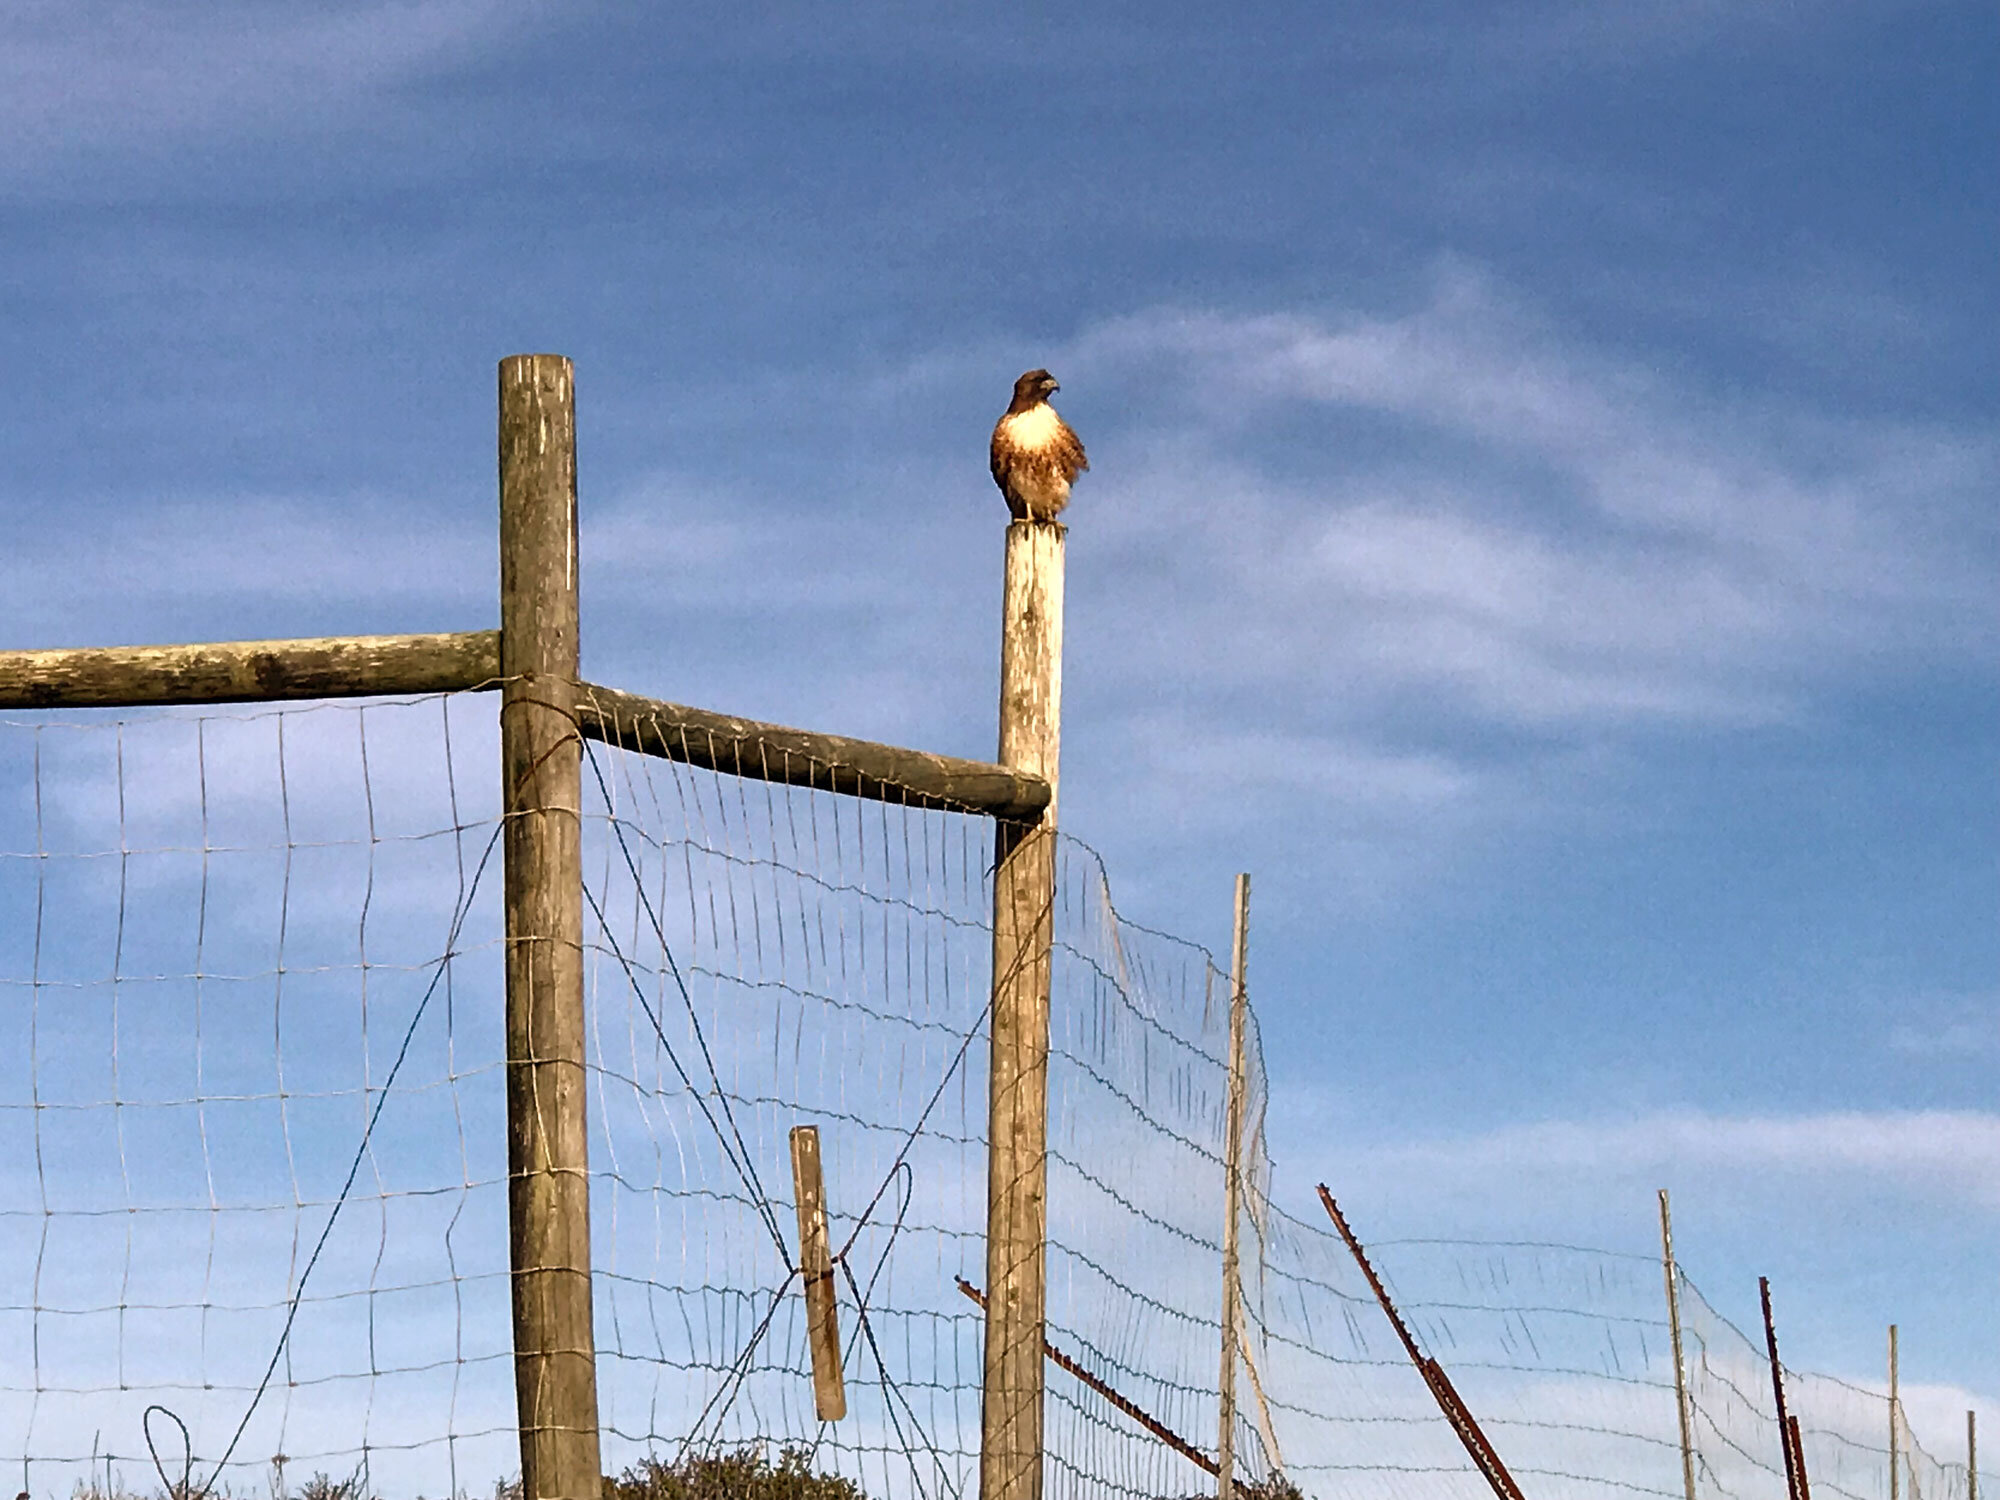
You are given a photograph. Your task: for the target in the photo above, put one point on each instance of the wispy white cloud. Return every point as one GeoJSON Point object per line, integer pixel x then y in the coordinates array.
{"type": "Point", "coordinates": [1962, 1028]}
{"type": "Point", "coordinates": [1950, 1155]}
{"type": "Point", "coordinates": [1561, 535]}
{"type": "Point", "coordinates": [128, 73]}
{"type": "Point", "coordinates": [1448, 563]}
{"type": "Point", "coordinates": [1522, 44]}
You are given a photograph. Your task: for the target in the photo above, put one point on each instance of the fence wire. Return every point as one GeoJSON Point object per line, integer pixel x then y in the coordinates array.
{"type": "Point", "coordinates": [222, 936]}
{"type": "Point", "coordinates": [253, 1158]}
{"type": "Point", "coordinates": [1844, 1427]}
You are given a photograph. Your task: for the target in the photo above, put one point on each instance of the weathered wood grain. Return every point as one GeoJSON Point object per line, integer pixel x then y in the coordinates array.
{"type": "Point", "coordinates": [800, 757]}
{"type": "Point", "coordinates": [1010, 1456]}
{"type": "Point", "coordinates": [816, 1270]}
{"type": "Point", "coordinates": [541, 765]}
{"type": "Point", "coordinates": [344, 666]}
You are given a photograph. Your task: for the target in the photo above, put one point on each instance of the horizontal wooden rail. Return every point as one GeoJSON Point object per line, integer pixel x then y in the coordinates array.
{"type": "Point", "coordinates": [341, 666]}
{"type": "Point", "coordinates": [363, 666]}
{"type": "Point", "coordinates": [799, 757]}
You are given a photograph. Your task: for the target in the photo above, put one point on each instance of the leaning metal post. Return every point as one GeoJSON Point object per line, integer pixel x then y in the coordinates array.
{"type": "Point", "coordinates": [1010, 1453]}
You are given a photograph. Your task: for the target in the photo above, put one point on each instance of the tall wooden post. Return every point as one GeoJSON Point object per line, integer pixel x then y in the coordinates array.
{"type": "Point", "coordinates": [1010, 1454]}
{"type": "Point", "coordinates": [1232, 1194]}
{"type": "Point", "coordinates": [1971, 1456]}
{"type": "Point", "coordinates": [555, 1369]}
{"type": "Point", "coordinates": [1681, 1404]}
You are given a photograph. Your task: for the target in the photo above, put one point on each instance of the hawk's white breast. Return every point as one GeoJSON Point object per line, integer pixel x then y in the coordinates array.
{"type": "Point", "coordinates": [1034, 428]}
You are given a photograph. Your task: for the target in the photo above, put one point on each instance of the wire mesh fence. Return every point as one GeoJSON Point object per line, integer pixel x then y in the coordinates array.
{"type": "Point", "coordinates": [764, 956]}
{"type": "Point", "coordinates": [250, 973]}
{"type": "Point", "coordinates": [253, 1157]}
{"type": "Point", "coordinates": [759, 957]}
{"type": "Point", "coordinates": [1844, 1427]}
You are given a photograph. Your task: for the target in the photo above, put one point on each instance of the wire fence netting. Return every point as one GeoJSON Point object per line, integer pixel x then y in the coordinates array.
{"type": "Point", "coordinates": [231, 939]}
{"type": "Point", "coordinates": [1844, 1427]}
{"type": "Point", "coordinates": [253, 1158]}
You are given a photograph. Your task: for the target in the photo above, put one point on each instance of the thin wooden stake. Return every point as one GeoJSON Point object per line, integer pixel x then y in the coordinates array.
{"type": "Point", "coordinates": [816, 1269]}
{"type": "Point", "coordinates": [1010, 1450]}
{"type": "Point", "coordinates": [555, 1367]}
{"type": "Point", "coordinates": [1895, 1430]}
{"type": "Point", "coordinates": [1263, 1407]}
{"type": "Point", "coordinates": [1232, 1194]}
{"type": "Point", "coordinates": [1681, 1403]}
{"type": "Point", "coordinates": [1787, 1434]}
{"type": "Point", "coordinates": [1971, 1457]}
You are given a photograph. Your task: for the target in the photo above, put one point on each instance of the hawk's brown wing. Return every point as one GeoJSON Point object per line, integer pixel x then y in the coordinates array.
{"type": "Point", "coordinates": [1001, 458]}
{"type": "Point", "coordinates": [1068, 452]}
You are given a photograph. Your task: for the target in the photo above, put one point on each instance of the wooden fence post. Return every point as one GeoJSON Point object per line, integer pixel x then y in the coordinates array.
{"type": "Point", "coordinates": [548, 1205]}
{"type": "Point", "coordinates": [1895, 1431]}
{"type": "Point", "coordinates": [1010, 1453]}
{"type": "Point", "coordinates": [816, 1272]}
{"type": "Point", "coordinates": [1682, 1407]}
{"type": "Point", "coordinates": [1232, 1194]}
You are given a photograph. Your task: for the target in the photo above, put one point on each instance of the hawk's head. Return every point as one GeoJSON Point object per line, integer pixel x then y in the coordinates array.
{"type": "Point", "coordinates": [1034, 386]}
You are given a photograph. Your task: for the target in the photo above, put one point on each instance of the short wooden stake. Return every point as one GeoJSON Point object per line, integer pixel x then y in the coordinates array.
{"type": "Point", "coordinates": [1971, 1457]}
{"type": "Point", "coordinates": [816, 1270]}
{"type": "Point", "coordinates": [1010, 1450]}
{"type": "Point", "coordinates": [555, 1367]}
{"type": "Point", "coordinates": [1232, 1195]}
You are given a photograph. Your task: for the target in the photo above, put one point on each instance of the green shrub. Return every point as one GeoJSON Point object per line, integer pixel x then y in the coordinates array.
{"type": "Point", "coordinates": [745, 1474]}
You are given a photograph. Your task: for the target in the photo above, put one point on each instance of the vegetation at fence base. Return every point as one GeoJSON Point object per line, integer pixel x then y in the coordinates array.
{"type": "Point", "coordinates": [321, 1486]}
{"type": "Point", "coordinates": [745, 1474]}
{"type": "Point", "coordinates": [1275, 1487]}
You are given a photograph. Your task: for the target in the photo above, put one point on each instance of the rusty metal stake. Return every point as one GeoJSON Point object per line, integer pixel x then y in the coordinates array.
{"type": "Point", "coordinates": [1799, 1457]}
{"type": "Point", "coordinates": [1152, 1424]}
{"type": "Point", "coordinates": [1788, 1427]}
{"type": "Point", "coordinates": [1456, 1412]}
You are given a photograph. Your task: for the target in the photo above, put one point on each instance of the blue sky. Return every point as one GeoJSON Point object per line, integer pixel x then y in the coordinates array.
{"type": "Point", "coordinates": [1541, 519]}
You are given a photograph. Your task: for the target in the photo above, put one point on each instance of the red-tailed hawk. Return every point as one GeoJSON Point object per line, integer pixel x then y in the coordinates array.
{"type": "Point", "coordinates": [1035, 455]}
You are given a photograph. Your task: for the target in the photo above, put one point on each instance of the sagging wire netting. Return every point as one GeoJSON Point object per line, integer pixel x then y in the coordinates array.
{"type": "Point", "coordinates": [760, 957]}
{"type": "Point", "coordinates": [1564, 1355]}
{"type": "Point", "coordinates": [764, 956]}
{"type": "Point", "coordinates": [253, 1157]}
{"type": "Point", "coordinates": [1844, 1426]}
{"type": "Point", "coordinates": [1561, 1353]}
